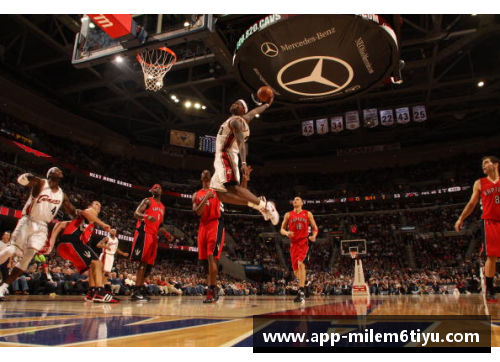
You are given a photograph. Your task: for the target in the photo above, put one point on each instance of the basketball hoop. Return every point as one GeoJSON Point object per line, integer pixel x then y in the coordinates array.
{"type": "Point", "coordinates": [354, 254]}
{"type": "Point", "coordinates": [155, 64]}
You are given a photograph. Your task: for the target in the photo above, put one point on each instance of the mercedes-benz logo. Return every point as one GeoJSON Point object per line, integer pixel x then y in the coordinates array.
{"type": "Point", "coordinates": [269, 49]}
{"type": "Point", "coordinates": [316, 76]}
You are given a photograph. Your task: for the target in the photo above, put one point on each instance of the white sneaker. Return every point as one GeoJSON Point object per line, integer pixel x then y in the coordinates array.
{"type": "Point", "coordinates": [3, 292]}
{"type": "Point", "coordinates": [274, 216]}
{"type": "Point", "coordinates": [264, 212]}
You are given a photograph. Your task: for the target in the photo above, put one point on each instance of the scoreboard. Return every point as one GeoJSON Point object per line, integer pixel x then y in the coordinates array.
{"type": "Point", "coordinates": [207, 144]}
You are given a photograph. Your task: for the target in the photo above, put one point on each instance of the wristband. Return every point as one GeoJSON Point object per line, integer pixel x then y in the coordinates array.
{"type": "Point", "coordinates": [315, 230]}
{"type": "Point", "coordinates": [243, 163]}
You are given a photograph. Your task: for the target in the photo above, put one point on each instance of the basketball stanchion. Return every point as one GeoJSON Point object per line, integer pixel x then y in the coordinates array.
{"type": "Point", "coordinates": [359, 286]}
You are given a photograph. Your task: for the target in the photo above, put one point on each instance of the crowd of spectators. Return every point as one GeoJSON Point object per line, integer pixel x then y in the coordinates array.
{"type": "Point", "coordinates": [425, 261]}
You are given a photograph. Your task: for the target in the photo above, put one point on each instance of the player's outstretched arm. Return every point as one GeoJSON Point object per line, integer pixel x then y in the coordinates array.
{"type": "Point", "coordinates": [259, 110]}
{"type": "Point", "coordinates": [314, 226]}
{"type": "Point", "coordinates": [91, 215]}
{"type": "Point", "coordinates": [474, 199]}
{"type": "Point", "coordinates": [68, 207]}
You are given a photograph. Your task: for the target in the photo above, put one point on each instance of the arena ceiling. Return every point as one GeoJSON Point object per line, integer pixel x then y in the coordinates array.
{"type": "Point", "coordinates": [445, 58]}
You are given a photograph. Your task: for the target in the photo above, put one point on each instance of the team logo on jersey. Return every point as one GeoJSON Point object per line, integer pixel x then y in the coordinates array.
{"type": "Point", "coordinates": [87, 254]}
{"type": "Point", "coordinates": [138, 252]}
{"type": "Point", "coordinates": [43, 198]}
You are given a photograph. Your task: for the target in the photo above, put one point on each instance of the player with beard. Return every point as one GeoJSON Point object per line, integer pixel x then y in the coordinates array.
{"type": "Point", "coordinates": [230, 148]}
{"type": "Point", "coordinates": [31, 232]}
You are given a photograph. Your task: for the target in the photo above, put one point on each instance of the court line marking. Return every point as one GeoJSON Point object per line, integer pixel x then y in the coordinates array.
{"type": "Point", "coordinates": [237, 340]}
{"type": "Point", "coordinates": [137, 335]}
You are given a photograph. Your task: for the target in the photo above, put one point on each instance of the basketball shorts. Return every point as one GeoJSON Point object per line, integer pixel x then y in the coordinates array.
{"type": "Point", "coordinates": [226, 171]}
{"type": "Point", "coordinates": [144, 247]}
{"type": "Point", "coordinates": [211, 236]}
{"type": "Point", "coordinates": [299, 251]}
{"type": "Point", "coordinates": [79, 254]}
{"type": "Point", "coordinates": [107, 261]}
{"type": "Point", "coordinates": [491, 240]}
{"type": "Point", "coordinates": [29, 234]}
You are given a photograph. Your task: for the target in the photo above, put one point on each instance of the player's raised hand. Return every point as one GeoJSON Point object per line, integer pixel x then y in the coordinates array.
{"type": "Point", "coordinates": [106, 227]}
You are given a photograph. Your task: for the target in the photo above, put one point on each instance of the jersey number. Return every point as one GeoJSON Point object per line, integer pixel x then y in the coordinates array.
{"type": "Point", "coordinates": [53, 211]}
{"type": "Point", "coordinates": [497, 199]}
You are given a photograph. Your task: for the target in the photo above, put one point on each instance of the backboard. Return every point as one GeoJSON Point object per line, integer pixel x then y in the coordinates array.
{"type": "Point", "coordinates": [93, 45]}
{"type": "Point", "coordinates": [359, 245]}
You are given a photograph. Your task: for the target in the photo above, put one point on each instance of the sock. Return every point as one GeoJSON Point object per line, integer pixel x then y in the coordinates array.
{"type": "Point", "coordinates": [259, 207]}
{"type": "Point", "coordinates": [489, 285]}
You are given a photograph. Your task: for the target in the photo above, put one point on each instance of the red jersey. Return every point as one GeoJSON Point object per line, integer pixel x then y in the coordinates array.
{"type": "Point", "coordinates": [156, 210]}
{"type": "Point", "coordinates": [214, 208]}
{"type": "Point", "coordinates": [299, 224]}
{"type": "Point", "coordinates": [78, 227]}
{"type": "Point", "coordinates": [490, 199]}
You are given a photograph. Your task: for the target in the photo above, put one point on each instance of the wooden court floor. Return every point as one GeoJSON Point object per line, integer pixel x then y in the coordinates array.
{"type": "Point", "coordinates": [186, 321]}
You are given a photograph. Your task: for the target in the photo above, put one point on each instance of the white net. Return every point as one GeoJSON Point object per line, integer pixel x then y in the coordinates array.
{"type": "Point", "coordinates": [155, 64]}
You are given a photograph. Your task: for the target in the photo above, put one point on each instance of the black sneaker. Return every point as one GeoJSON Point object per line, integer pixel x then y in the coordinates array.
{"type": "Point", "coordinates": [490, 298]}
{"type": "Point", "coordinates": [300, 297]}
{"type": "Point", "coordinates": [212, 296]}
{"type": "Point", "coordinates": [138, 297]}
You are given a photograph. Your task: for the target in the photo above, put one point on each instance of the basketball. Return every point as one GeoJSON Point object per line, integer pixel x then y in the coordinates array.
{"type": "Point", "coordinates": [265, 94]}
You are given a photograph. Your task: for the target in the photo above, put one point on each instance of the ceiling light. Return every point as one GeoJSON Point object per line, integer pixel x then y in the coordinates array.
{"type": "Point", "coordinates": [203, 107]}
{"type": "Point", "coordinates": [173, 97]}
{"type": "Point", "coordinates": [159, 84]}
{"type": "Point", "coordinates": [176, 100]}
{"type": "Point", "coordinates": [186, 24]}
{"type": "Point", "coordinates": [188, 104]}
{"type": "Point", "coordinates": [257, 115]}
{"type": "Point", "coordinates": [91, 25]}
{"type": "Point", "coordinates": [197, 106]}
{"type": "Point", "coordinates": [119, 59]}
{"type": "Point", "coordinates": [480, 84]}
{"type": "Point", "coordinates": [473, 14]}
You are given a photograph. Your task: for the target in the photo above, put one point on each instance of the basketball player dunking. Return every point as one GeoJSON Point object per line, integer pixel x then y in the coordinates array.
{"type": "Point", "coordinates": [211, 232]}
{"type": "Point", "coordinates": [73, 246]}
{"type": "Point", "coordinates": [297, 222]}
{"type": "Point", "coordinates": [230, 147]}
{"type": "Point", "coordinates": [149, 214]}
{"type": "Point", "coordinates": [488, 190]}
{"type": "Point", "coordinates": [31, 232]}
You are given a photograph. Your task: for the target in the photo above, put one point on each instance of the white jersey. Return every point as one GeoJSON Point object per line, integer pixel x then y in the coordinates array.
{"type": "Point", "coordinates": [111, 246]}
{"type": "Point", "coordinates": [44, 206]}
{"type": "Point", "coordinates": [226, 140]}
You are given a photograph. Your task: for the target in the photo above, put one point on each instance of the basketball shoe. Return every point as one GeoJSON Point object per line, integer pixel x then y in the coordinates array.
{"type": "Point", "coordinates": [212, 296]}
{"type": "Point", "coordinates": [4, 290]}
{"type": "Point", "coordinates": [90, 295]}
{"type": "Point", "coordinates": [300, 298]}
{"type": "Point", "coordinates": [273, 213]}
{"type": "Point", "coordinates": [490, 297]}
{"type": "Point", "coordinates": [139, 296]}
{"type": "Point", "coordinates": [104, 297]}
